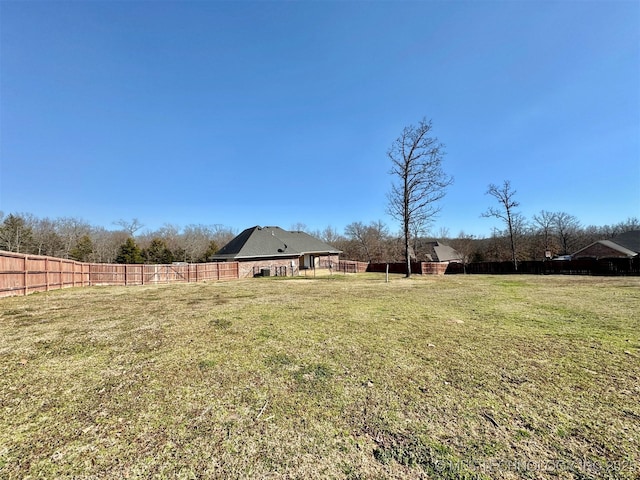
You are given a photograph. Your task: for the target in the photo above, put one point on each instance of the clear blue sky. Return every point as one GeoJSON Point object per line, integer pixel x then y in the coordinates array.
{"type": "Point", "coordinates": [274, 113]}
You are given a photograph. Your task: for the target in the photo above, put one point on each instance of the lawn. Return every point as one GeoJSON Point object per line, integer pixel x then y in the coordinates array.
{"type": "Point", "coordinates": [329, 377]}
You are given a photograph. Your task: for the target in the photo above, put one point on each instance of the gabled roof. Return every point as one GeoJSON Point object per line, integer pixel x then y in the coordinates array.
{"type": "Point", "coordinates": [443, 253]}
{"type": "Point", "coordinates": [261, 242]}
{"type": "Point", "coordinates": [630, 240]}
{"type": "Point", "coordinates": [627, 244]}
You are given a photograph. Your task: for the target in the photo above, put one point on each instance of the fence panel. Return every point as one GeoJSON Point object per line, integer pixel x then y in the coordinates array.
{"type": "Point", "coordinates": [227, 270]}
{"type": "Point", "coordinates": [579, 266]}
{"type": "Point", "coordinates": [106, 274]}
{"type": "Point", "coordinates": [352, 266]}
{"type": "Point", "coordinates": [13, 274]}
{"type": "Point", "coordinates": [421, 268]}
{"type": "Point", "coordinates": [23, 274]}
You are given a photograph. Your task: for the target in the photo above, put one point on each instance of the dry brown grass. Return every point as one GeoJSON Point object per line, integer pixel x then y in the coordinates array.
{"type": "Point", "coordinates": [333, 377]}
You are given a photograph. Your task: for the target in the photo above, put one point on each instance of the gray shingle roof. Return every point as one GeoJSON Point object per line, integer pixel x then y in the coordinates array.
{"type": "Point", "coordinates": [442, 253]}
{"type": "Point", "coordinates": [627, 244]}
{"type": "Point", "coordinates": [629, 240]}
{"type": "Point", "coordinates": [261, 242]}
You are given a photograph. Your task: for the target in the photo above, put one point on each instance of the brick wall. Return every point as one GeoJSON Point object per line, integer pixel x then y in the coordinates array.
{"type": "Point", "coordinates": [282, 266]}
{"type": "Point", "coordinates": [434, 268]}
{"type": "Point", "coordinates": [598, 250]}
{"type": "Point", "coordinates": [421, 268]}
{"type": "Point", "coordinates": [278, 266]}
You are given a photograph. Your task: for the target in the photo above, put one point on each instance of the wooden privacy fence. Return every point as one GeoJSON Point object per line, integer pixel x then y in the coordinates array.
{"type": "Point", "coordinates": [23, 274]}
{"type": "Point", "coordinates": [580, 266]}
{"type": "Point", "coordinates": [352, 266]}
{"type": "Point", "coordinates": [421, 268]}
{"type": "Point", "coordinates": [119, 274]}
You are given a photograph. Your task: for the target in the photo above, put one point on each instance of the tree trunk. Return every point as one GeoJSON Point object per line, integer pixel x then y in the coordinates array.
{"type": "Point", "coordinates": [407, 256]}
{"type": "Point", "coordinates": [407, 250]}
{"type": "Point", "coordinates": [513, 245]}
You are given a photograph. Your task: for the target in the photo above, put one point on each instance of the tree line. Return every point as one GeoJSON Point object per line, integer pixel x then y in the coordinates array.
{"type": "Point", "coordinates": [546, 233]}
{"type": "Point", "coordinates": [76, 239]}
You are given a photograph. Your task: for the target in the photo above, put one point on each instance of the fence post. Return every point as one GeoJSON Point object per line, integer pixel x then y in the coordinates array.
{"type": "Point", "coordinates": [46, 274]}
{"type": "Point", "coordinates": [26, 274]}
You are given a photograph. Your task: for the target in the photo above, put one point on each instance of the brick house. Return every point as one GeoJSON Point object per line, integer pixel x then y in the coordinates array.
{"type": "Point", "coordinates": [626, 245]}
{"type": "Point", "coordinates": [274, 251]}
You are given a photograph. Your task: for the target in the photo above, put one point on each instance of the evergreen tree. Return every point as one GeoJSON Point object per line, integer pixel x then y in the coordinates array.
{"type": "Point", "coordinates": [82, 250]}
{"type": "Point", "coordinates": [129, 252]}
{"type": "Point", "coordinates": [212, 249]}
{"type": "Point", "coordinates": [15, 234]}
{"type": "Point", "coordinates": [157, 252]}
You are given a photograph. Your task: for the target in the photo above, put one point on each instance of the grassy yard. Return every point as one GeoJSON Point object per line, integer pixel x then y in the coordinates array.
{"type": "Point", "coordinates": [334, 377]}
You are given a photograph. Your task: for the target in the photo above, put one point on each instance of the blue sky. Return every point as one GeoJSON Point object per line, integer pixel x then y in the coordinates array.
{"type": "Point", "coordinates": [276, 113]}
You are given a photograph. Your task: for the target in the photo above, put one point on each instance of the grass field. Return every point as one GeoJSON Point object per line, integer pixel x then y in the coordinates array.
{"type": "Point", "coordinates": [333, 377]}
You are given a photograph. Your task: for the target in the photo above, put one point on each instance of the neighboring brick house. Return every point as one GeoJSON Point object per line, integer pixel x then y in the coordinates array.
{"type": "Point", "coordinates": [274, 251]}
{"type": "Point", "coordinates": [626, 245]}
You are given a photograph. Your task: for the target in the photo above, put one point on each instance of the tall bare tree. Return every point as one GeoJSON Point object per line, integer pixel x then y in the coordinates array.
{"type": "Point", "coordinates": [371, 240]}
{"type": "Point", "coordinates": [222, 235]}
{"type": "Point", "coordinates": [464, 245]}
{"type": "Point", "coordinates": [359, 233]}
{"type": "Point", "coordinates": [507, 213]}
{"type": "Point", "coordinates": [46, 238]}
{"type": "Point", "coordinates": [543, 224]}
{"type": "Point", "coordinates": [566, 228]}
{"type": "Point", "coordinates": [106, 244]}
{"type": "Point", "coordinates": [70, 230]}
{"type": "Point", "coordinates": [196, 240]}
{"type": "Point", "coordinates": [419, 180]}
{"type": "Point", "coordinates": [329, 235]}
{"type": "Point", "coordinates": [131, 227]}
